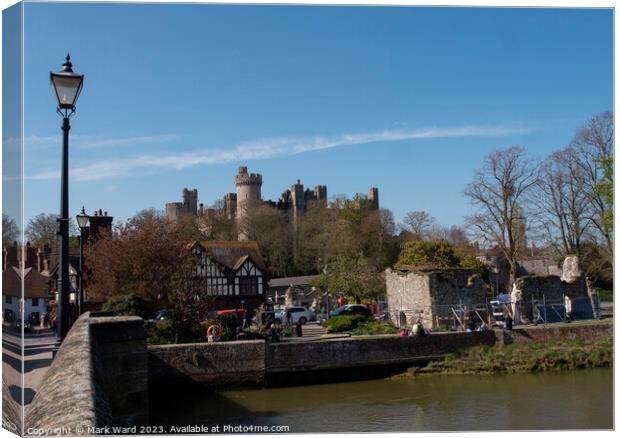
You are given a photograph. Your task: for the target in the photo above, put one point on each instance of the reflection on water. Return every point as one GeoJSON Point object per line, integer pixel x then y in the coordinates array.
{"type": "Point", "coordinates": [566, 400]}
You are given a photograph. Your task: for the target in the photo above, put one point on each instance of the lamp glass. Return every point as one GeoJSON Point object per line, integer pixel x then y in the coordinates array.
{"type": "Point", "coordinates": [67, 88]}
{"type": "Point", "coordinates": [82, 220]}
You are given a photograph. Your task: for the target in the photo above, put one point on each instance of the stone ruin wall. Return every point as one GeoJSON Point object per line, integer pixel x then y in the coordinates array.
{"type": "Point", "coordinates": [408, 290]}
{"type": "Point", "coordinates": [429, 295]}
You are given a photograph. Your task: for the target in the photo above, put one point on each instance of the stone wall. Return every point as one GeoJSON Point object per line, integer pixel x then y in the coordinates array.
{"type": "Point", "coordinates": [429, 295]}
{"type": "Point", "coordinates": [367, 351]}
{"type": "Point", "coordinates": [98, 378]}
{"type": "Point", "coordinates": [261, 363]}
{"type": "Point", "coordinates": [218, 363]}
{"type": "Point", "coordinates": [553, 333]}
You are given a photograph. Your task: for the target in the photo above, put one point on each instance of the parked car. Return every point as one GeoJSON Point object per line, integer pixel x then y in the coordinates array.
{"type": "Point", "coordinates": [163, 315]}
{"type": "Point", "coordinates": [301, 314]}
{"type": "Point", "coordinates": [351, 309]}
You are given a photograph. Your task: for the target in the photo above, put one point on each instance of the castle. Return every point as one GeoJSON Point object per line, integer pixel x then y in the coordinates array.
{"type": "Point", "coordinates": [248, 194]}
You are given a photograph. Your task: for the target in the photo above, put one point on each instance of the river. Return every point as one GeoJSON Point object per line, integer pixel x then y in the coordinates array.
{"type": "Point", "coordinates": [553, 400]}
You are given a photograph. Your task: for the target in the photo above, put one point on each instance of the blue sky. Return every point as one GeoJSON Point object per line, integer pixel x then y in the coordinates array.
{"type": "Point", "coordinates": [406, 99]}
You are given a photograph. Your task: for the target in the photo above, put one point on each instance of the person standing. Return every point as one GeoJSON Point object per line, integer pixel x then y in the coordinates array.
{"type": "Point", "coordinates": [568, 305]}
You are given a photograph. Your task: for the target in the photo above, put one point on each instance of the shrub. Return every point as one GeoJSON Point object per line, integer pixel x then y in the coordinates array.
{"type": "Point", "coordinates": [165, 333]}
{"type": "Point", "coordinates": [129, 305]}
{"type": "Point", "coordinates": [344, 323]}
{"type": "Point", "coordinates": [375, 328]}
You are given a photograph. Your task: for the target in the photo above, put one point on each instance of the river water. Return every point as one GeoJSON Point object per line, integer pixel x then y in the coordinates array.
{"type": "Point", "coordinates": [553, 400]}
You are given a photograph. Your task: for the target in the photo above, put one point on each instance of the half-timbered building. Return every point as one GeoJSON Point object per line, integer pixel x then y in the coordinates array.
{"type": "Point", "coordinates": [236, 275]}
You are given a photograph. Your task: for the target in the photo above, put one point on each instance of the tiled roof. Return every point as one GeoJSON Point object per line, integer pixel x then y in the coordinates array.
{"type": "Point", "coordinates": [230, 253]}
{"type": "Point", "coordinates": [292, 281]}
{"type": "Point", "coordinates": [35, 284]}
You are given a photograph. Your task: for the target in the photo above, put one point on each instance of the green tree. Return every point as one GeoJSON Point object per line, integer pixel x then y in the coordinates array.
{"type": "Point", "coordinates": [605, 189]}
{"type": "Point", "coordinates": [433, 254]}
{"type": "Point", "coordinates": [355, 278]}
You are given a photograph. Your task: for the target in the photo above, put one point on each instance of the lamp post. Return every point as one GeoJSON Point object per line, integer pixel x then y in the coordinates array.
{"type": "Point", "coordinates": [82, 221]}
{"type": "Point", "coordinates": [67, 86]}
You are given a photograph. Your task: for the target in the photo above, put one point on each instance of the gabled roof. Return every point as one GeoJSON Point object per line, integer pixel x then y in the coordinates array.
{"type": "Point", "coordinates": [292, 281]}
{"type": "Point", "coordinates": [35, 284]}
{"type": "Point", "coordinates": [232, 254]}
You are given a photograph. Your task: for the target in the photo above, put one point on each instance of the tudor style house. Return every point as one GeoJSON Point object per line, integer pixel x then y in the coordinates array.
{"type": "Point", "coordinates": [235, 273]}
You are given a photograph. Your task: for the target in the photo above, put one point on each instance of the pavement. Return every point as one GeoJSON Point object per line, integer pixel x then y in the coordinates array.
{"type": "Point", "coordinates": [37, 354]}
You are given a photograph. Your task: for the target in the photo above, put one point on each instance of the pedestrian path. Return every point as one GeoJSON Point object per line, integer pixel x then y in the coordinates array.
{"type": "Point", "coordinates": [313, 329]}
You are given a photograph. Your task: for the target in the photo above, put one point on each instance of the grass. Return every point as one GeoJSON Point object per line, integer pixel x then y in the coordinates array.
{"type": "Point", "coordinates": [520, 358]}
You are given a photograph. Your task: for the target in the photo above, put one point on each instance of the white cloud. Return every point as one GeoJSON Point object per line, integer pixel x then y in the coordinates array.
{"type": "Point", "coordinates": [264, 149]}
{"type": "Point", "coordinates": [92, 141]}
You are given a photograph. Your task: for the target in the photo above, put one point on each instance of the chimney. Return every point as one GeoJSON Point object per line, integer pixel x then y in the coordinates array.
{"type": "Point", "coordinates": [39, 260]}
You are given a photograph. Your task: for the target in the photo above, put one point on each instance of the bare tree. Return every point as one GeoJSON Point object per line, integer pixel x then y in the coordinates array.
{"type": "Point", "coordinates": [43, 228]}
{"type": "Point", "coordinates": [418, 223]}
{"type": "Point", "coordinates": [562, 203]}
{"type": "Point", "coordinates": [497, 190]}
{"type": "Point", "coordinates": [10, 231]}
{"type": "Point", "coordinates": [594, 147]}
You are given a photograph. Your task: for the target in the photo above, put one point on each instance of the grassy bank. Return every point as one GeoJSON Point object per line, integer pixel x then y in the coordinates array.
{"type": "Point", "coordinates": [520, 358]}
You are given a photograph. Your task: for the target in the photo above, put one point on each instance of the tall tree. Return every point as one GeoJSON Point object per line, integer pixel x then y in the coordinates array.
{"type": "Point", "coordinates": [497, 190]}
{"type": "Point", "coordinates": [355, 277]}
{"type": "Point", "coordinates": [43, 229]}
{"type": "Point", "coordinates": [594, 147]}
{"type": "Point", "coordinates": [10, 230]}
{"type": "Point", "coordinates": [562, 203]}
{"type": "Point", "coordinates": [419, 223]}
{"type": "Point", "coordinates": [140, 258]}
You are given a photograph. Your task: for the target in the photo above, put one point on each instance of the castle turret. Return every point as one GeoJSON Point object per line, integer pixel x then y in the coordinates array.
{"type": "Point", "coordinates": [189, 205]}
{"type": "Point", "coordinates": [373, 196]}
{"type": "Point", "coordinates": [190, 201]}
{"type": "Point", "coordinates": [248, 193]}
{"type": "Point", "coordinates": [320, 194]}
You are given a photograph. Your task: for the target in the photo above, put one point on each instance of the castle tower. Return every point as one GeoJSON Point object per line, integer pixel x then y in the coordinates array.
{"type": "Point", "coordinates": [373, 195]}
{"type": "Point", "coordinates": [190, 201]}
{"type": "Point", "coordinates": [320, 194]}
{"type": "Point", "coordinates": [248, 193]}
{"type": "Point", "coordinates": [230, 205]}
{"type": "Point", "coordinates": [297, 198]}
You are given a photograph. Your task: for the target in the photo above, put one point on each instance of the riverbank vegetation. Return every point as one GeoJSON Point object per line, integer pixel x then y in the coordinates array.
{"type": "Point", "coordinates": [359, 325]}
{"type": "Point", "coordinates": [521, 358]}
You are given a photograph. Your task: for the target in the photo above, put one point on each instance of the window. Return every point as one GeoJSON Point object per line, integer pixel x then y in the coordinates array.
{"type": "Point", "coordinates": [35, 302]}
{"type": "Point", "coordinates": [248, 286]}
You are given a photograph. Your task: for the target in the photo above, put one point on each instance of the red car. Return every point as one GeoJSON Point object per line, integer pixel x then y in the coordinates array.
{"type": "Point", "coordinates": [239, 312]}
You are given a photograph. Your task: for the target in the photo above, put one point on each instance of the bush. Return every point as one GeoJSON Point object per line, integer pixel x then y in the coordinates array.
{"type": "Point", "coordinates": [375, 328]}
{"type": "Point", "coordinates": [165, 333]}
{"type": "Point", "coordinates": [129, 305]}
{"type": "Point", "coordinates": [344, 323]}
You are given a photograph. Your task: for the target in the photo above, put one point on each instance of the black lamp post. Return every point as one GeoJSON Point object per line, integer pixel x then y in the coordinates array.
{"type": "Point", "coordinates": [82, 221]}
{"type": "Point", "coordinates": [67, 86]}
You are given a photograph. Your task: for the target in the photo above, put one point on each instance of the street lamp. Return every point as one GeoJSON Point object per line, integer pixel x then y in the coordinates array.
{"type": "Point", "coordinates": [67, 87]}
{"type": "Point", "coordinates": [82, 221]}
